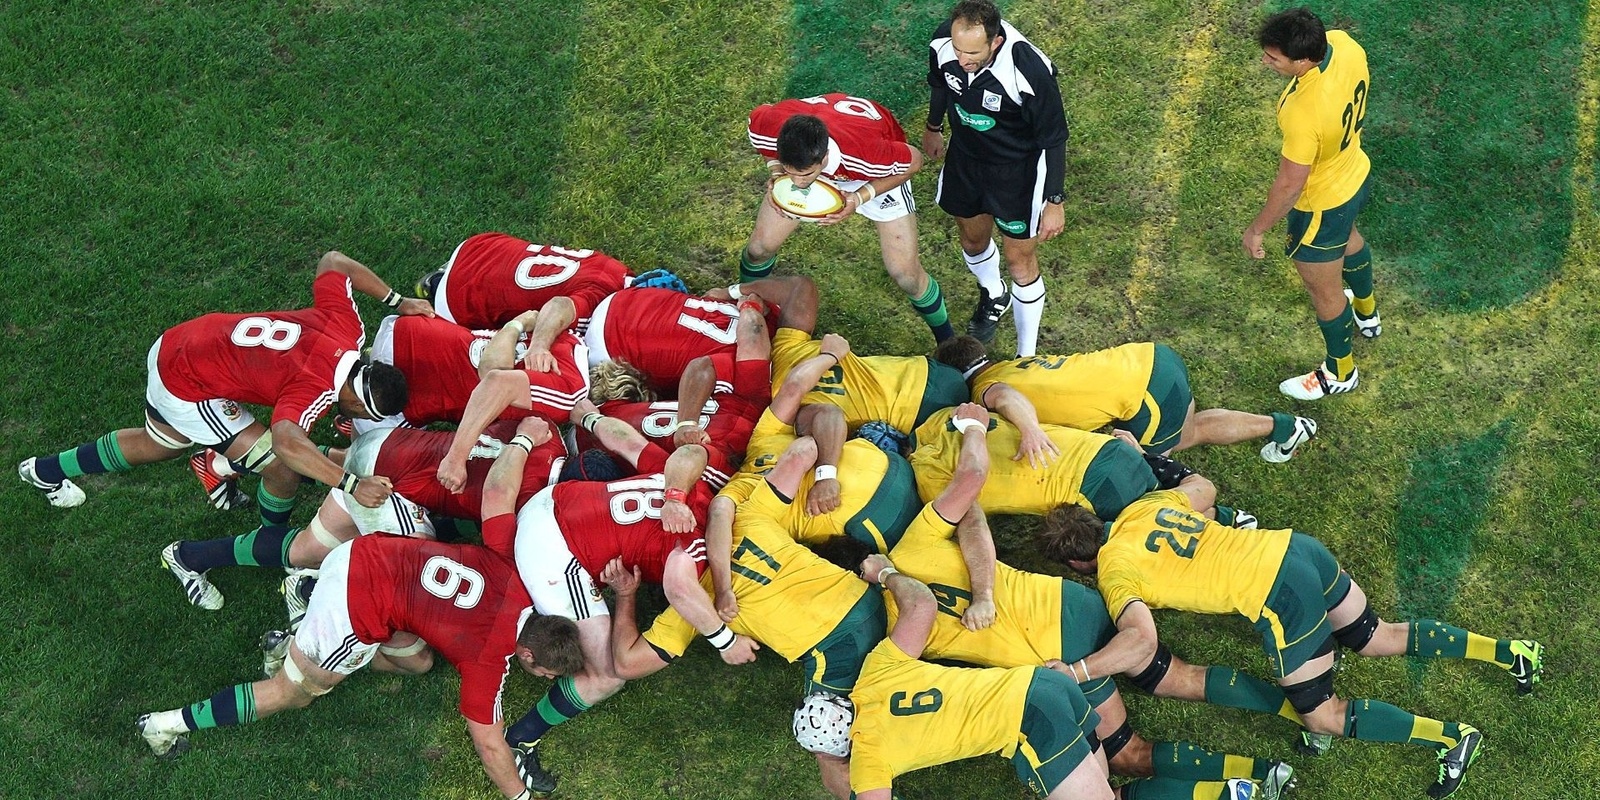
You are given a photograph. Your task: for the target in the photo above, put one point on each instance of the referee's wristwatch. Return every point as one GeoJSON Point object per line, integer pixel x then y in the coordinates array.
{"type": "Point", "coordinates": [1056, 199]}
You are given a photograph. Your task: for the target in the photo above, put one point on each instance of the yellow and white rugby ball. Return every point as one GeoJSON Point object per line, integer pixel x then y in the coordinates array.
{"type": "Point", "coordinates": [810, 204]}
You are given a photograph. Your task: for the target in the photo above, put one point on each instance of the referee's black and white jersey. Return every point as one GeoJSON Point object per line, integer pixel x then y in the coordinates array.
{"type": "Point", "coordinates": [1008, 111]}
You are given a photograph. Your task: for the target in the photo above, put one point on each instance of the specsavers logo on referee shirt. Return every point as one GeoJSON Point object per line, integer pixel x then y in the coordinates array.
{"type": "Point", "coordinates": [977, 122]}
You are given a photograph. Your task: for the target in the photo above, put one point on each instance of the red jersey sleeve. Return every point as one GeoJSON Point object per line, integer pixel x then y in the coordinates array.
{"type": "Point", "coordinates": [331, 296]}
{"type": "Point", "coordinates": [500, 534]}
{"type": "Point", "coordinates": [764, 124]}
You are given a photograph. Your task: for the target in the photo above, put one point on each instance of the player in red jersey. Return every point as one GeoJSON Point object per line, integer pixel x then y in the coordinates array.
{"type": "Point", "coordinates": [377, 596]}
{"type": "Point", "coordinates": [299, 362]}
{"type": "Point", "coordinates": [858, 146]}
{"type": "Point", "coordinates": [552, 376]}
{"type": "Point", "coordinates": [736, 389]}
{"type": "Point", "coordinates": [569, 532]}
{"type": "Point", "coordinates": [445, 362]}
{"type": "Point", "coordinates": [493, 277]}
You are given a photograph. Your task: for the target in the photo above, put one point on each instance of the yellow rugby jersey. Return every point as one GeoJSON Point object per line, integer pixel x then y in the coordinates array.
{"type": "Point", "coordinates": [1013, 487]}
{"type": "Point", "coordinates": [1162, 552]}
{"type": "Point", "coordinates": [867, 388]}
{"type": "Point", "coordinates": [1086, 391]}
{"type": "Point", "coordinates": [911, 714]}
{"type": "Point", "coordinates": [789, 598]}
{"type": "Point", "coordinates": [767, 440]}
{"type": "Point", "coordinates": [861, 470]}
{"type": "Point", "coordinates": [1027, 623]}
{"type": "Point", "coordinates": [1321, 114]}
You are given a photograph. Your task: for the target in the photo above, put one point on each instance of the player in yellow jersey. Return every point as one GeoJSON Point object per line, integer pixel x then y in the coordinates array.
{"type": "Point", "coordinates": [906, 714]}
{"type": "Point", "coordinates": [1141, 388]}
{"type": "Point", "coordinates": [793, 602]}
{"type": "Point", "coordinates": [1160, 554]}
{"type": "Point", "coordinates": [1322, 184]}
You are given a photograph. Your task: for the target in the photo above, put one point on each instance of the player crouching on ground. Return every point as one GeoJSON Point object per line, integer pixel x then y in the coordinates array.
{"type": "Point", "coordinates": [376, 597]}
{"type": "Point", "coordinates": [1160, 554]}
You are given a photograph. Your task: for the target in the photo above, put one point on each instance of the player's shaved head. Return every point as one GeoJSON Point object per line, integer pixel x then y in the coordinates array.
{"type": "Point", "coordinates": [1296, 33]}
{"type": "Point", "coordinates": [1070, 533]}
{"type": "Point", "coordinates": [802, 142]}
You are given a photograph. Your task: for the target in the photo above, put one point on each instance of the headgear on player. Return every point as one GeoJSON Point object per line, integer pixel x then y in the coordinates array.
{"type": "Point", "coordinates": [822, 723]}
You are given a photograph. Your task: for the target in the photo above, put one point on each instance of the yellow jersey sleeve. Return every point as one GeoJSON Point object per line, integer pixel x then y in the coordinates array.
{"type": "Point", "coordinates": [1013, 487]}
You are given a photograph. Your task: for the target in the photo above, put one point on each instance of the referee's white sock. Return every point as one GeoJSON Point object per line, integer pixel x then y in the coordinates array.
{"type": "Point", "coordinates": [1027, 308]}
{"type": "Point", "coordinates": [986, 266]}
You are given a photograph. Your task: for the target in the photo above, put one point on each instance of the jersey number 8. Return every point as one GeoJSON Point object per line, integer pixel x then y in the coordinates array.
{"type": "Point", "coordinates": [273, 334]}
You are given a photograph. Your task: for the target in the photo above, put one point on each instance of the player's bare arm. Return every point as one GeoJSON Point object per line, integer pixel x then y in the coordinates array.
{"type": "Point", "coordinates": [1129, 651]}
{"type": "Point", "coordinates": [556, 316]}
{"type": "Point", "coordinates": [695, 386]}
{"type": "Point", "coordinates": [632, 656]}
{"type": "Point", "coordinates": [1285, 192]}
{"type": "Point", "coordinates": [978, 553]}
{"type": "Point", "coordinates": [368, 283]}
{"type": "Point", "coordinates": [493, 394]}
{"type": "Point", "coordinates": [291, 445]}
{"type": "Point", "coordinates": [501, 351]}
{"type": "Point", "coordinates": [871, 189]}
{"type": "Point", "coordinates": [1035, 445]}
{"type": "Point", "coordinates": [804, 376]}
{"type": "Point", "coordinates": [498, 763]}
{"type": "Point", "coordinates": [684, 467]}
{"type": "Point", "coordinates": [826, 426]}
{"type": "Point", "coordinates": [681, 583]}
{"type": "Point", "coordinates": [914, 599]}
{"type": "Point", "coordinates": [614, 435]}
{"type": "Point", "coordinates": [719, 556]}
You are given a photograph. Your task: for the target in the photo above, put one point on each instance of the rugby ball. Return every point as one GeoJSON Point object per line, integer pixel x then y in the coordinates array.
{"type": "Point", "coordinates": [810, 204]}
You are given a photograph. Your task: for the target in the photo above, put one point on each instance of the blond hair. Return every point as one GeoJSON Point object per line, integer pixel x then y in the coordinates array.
{"type": "Point", "coordinates": [618, 380]}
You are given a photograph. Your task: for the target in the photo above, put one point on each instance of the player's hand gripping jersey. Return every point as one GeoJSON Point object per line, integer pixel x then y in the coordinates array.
{"type": "Point", "coordinates": [493, 277]}
{"type": "Point", "coordinates": [294, 361]}
{"type": "Point", "coordinates": [440, 362]}
{"type": "Point", "coordinates": [410, 459]}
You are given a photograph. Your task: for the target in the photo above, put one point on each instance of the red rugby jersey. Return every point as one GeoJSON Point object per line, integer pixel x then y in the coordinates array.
{"type": "Point", "coordinates": [494, 277]}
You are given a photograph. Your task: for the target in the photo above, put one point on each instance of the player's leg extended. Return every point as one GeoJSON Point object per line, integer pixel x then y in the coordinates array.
{"type": "Point", "coordinates": [1169, 676]}
{"type": "Point", "coordinates": [252, 452]}
{"type": "Point", "coordinates": [898, 239]}
{"type": "Point", "coordinates": [982, 257]}
{"type": "Point", "coordinates": [1357, 627]}
{"type": "Point", "coordinates": [167, 731]}
{"type": "Point", "coordinates": [1358, 276]}
{"type": "Point", "coordinates": [760, 254]}
{"type": "Point", "coordinates": [1132, 755]}
{"type": "Point", "coordinates": [1027, 291]}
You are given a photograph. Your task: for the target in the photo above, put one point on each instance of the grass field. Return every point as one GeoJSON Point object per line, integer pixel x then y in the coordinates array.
{"type": "Point", "coordinates": [164, 159]}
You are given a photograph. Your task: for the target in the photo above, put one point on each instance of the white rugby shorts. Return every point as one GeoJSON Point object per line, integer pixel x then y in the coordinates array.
{"type": "Point", "coordinates": [207, 422]}
{"type": "Point", "coordinates": [886, 207]}
{"type": "Point", "coordinates": [326, 635]}
{"type": "Point", "coordinates": [558, 584]}
{"type": "Point", "coordinates": [397, 515]}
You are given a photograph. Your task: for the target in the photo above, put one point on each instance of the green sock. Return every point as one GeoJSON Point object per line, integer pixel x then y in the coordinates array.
{"type": "Point", "coordinates": [1282, 427]}
{"type": "Point", "coordinates": [1234, 689]}
{"type": "Point", "coordinates": [560, 704]}
{"type": "Point", "coordinates": [266, 546]}
{"type": "Point", "coordinates": [235, 705]}
{"type": "Point", "coordinates": [274, 509]}
{"type": "Point", "coordinates": [1159, 788]}
{"type": "Point", "coordinates": [1358, 276]}
{"type": "Point", "coordinates": [932, 309]}
{"type": "Point", "coordinates": [1188, 761]}
{"type": "Point", "coordinates": [1336, 335]}
{"type": "Point", "coordinates": [1377, 721]}
{"type": "Point", "coordinates": [751, 271]}
{"type": "Point", "coordinates": [1430, 639]}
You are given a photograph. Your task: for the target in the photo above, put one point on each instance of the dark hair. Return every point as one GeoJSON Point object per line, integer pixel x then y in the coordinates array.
{"type": "Point", "coordinates": [1297, 33]}
{"type": "Point", "coordinates": [961, 352]}
{"type": "Point", "coordinates": [389, 391]}
{"type": "Point", "coordinates": [844, 552]}
{"type": "Point", "coordinates": [428, 284]}
{"type": "Point", "coordinates": [978, 12]}
{"type": "Point", "coordinates": [1070, 533]}
{"type": "Point", "coordinates": [553, 642]}
{"type": "Point", "coordinates": [802, 142]}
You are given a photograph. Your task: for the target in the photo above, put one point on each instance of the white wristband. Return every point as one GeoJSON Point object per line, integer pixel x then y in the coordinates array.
{"type": "Point", "coordinates": [1084, 665]}
{"type": "Point", "coordinates": [688, 423]}
{"type": "Point", "coordinates": [963, 424]}
{"type": "Point", "coordinates": [721, 638]}
{"type": "Point", "coordinates": [827, 472]}
{"type": "Point", "coordinates": [883, 574]}
{"type": "Point", "coordinates": [523, 441]}
{"type": "Point", "coordinates": [734, 293]}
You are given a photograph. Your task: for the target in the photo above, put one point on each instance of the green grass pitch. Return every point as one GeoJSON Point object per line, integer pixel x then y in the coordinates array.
{"type": "Point", "coordinates": [164, 158]}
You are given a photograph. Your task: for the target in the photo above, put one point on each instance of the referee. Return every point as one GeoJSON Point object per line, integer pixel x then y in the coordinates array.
{"type": "Point", "coordinates": [1007, 158]}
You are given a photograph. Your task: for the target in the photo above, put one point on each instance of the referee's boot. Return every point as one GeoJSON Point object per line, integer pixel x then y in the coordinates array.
{"type": "Point", "coordinates": [986, 317]}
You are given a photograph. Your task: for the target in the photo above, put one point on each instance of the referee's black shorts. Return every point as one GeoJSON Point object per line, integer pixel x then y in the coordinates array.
{"type": "Point", "coordinates": [1013, 192]}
